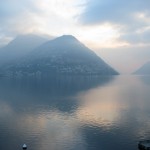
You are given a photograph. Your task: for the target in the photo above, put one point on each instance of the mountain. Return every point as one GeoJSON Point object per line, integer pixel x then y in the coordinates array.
{"type": "Point", "coordinates": [144, 70]}
{"type": "Point", "coordinates": [20, 46]}
{"type": "Point", "coordinates": [63, 55]}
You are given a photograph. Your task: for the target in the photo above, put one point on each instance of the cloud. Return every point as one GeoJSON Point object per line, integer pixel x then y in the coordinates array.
{"type": "Point", "coordinates": [137, 38]}
{"type": "Point", "coordinates": [13, 8]}
{"type": "Point", "coordinates": [115, 11]}
{"type": "Point", "coordinates": [131, 16]}
{"type": "Point", "coordinates": [23, 16]}
{"type": "Point", "coordinates": [132, 21]}
{"type": "Point", "coordinates": [14, 13]}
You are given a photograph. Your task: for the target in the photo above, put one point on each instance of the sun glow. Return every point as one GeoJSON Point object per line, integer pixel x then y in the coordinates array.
{"type": "Point", "coordinates": [101, 36]}
{"type": "Point", "coordinates": [60, 17]}
{"type": "Point", "coordinates": [98, 107]}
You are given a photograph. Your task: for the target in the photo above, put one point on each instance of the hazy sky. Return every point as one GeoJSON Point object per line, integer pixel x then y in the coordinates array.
{"type": "Point", "coordinates": [118, 31]}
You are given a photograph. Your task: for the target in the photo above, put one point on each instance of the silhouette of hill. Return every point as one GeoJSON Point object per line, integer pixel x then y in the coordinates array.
{"type": "Point", "coordinates": [63, 55]}
{"type": "Point", "coordinates": [144, 70]}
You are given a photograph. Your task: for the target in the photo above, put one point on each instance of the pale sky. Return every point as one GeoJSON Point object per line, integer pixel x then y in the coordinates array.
{"type": "Point", "coordinates": [118, 31]}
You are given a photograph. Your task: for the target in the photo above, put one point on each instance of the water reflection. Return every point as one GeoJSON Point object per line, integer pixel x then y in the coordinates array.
{"type": "Point", "coordinates": [40, 112]}
{"type": "Point", "coordinates": [74, 113]}
{"type": "Point", "coordinates": [116, 115]}
{"type": "Point", "coordinates": [57, 92]}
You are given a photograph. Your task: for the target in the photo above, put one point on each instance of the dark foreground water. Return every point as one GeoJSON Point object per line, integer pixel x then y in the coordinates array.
{"type": "Point", "coordinates": [74, 113]}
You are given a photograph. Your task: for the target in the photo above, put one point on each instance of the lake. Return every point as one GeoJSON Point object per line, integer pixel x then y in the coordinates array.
{"type": "Point", "coordinates": [74, 113]}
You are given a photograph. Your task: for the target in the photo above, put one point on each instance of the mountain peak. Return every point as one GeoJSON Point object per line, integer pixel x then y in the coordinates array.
{"type": "Point", "coordinates": [30, 41]}
{"type": "Point", "coordinates": [28, 37]}
{"type": "Point", "coordinates": [20, 46]}
{"type": "Point", "coordinates": [68, 38]}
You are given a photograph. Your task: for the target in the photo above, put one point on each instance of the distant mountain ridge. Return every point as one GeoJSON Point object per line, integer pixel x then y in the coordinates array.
{"type": "Point", "coordinates": [20, 46]}
{"type": "Point", "coordinates": [62, 55]}
{"type": "Point", "coordinates": [144, 70]}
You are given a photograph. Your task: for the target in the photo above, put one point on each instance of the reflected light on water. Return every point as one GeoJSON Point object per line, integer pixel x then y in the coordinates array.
{"type": "Point", "coordinates": [100, 107]}
{"type": "Point", "coordinates": [51, 129]}
{"type": "Point", "coordinates": [91, 115]}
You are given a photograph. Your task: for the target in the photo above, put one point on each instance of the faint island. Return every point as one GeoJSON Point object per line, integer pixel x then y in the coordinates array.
{"type": "Point", "coordinates": [144, 70]}
{"type": "Point", "coordinates": [62, 55]}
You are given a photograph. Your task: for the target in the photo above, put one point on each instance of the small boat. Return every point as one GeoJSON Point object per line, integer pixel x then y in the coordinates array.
{"type": "Point", "coordinates": [144, 145]}
{"type": "Point", "coordinates": [24, 146]}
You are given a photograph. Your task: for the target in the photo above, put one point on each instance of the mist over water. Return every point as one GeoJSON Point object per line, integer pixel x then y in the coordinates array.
{"type": "Point", "coordinates": [70, 112]}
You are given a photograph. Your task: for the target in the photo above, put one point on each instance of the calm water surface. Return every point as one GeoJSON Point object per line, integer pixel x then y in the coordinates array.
{"type": "Point", "coordinates": [70, 113]}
